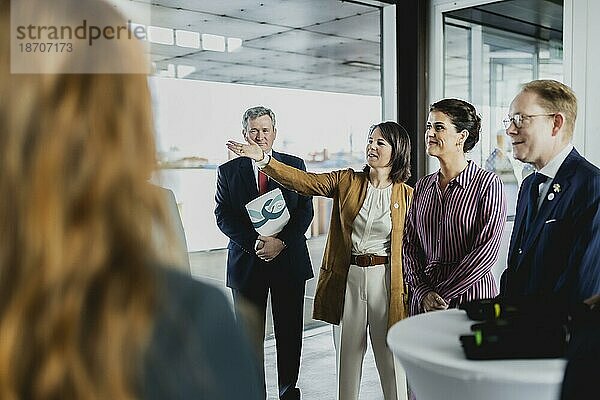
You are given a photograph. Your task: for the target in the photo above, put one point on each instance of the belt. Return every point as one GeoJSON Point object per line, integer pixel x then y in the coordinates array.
{"type": "Point", "coordinates": [366, 260]}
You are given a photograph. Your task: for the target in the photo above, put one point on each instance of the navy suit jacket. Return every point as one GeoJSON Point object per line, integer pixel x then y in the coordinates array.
{"type": "Point", "coordinates": [236, 186]}
{"type": "Point", "coordinates": [196, 350]}
{"type": "Point", "coordinates": [560, 255]}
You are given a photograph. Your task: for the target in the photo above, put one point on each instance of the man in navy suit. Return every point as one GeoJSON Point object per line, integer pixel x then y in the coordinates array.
{"type": "Point", "coordinates": [555, 242]}
{"type": "Point", "coordinates": [257, 265]}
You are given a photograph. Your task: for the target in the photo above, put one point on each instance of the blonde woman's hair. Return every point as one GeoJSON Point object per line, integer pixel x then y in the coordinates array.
{"type": "Point", "coordinates": [77, 296]}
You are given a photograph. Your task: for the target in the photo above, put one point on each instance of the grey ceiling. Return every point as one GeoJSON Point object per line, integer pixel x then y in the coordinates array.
{"type": "Point", "coordinates": [540, 19]}
{"type": "Point", "coordinates": [304, 44]}
{"type": "Point", "coordinates": [313, 44]}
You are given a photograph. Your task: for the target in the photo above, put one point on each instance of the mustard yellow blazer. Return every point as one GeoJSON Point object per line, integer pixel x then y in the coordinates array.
{"type": "Point", "coordinates": [348, 189]}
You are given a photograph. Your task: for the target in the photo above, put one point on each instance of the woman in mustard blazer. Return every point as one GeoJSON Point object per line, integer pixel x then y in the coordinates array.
{"type": "Point", "coordinates": [360, 283]}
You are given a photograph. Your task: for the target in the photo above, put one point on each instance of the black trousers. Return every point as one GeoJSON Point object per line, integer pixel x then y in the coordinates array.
{"type": "Point", "coordinates": [583, 354]}
{"type": "Point", "coordinates": [287, 304]}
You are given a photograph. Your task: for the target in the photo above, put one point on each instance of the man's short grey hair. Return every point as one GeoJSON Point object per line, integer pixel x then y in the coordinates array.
{"type": "Point", "coordinates": [255, 112]}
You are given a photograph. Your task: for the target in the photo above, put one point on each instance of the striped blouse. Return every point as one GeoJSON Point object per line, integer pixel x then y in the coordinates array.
{"type": "Point", "coordinates": [452, 238]}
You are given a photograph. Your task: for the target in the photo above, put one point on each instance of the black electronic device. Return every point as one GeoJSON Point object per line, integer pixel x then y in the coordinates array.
{"type": "Point", "coordinates": [522, 327]}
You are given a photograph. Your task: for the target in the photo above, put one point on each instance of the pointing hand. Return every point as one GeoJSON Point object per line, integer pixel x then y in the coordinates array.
{"type": "Point", "coordinates": [250, 150]}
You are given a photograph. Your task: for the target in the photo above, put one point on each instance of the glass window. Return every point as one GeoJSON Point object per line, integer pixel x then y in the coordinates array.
{"type": "Point", "coordinates": [318, 69]}
{"type": "Point", "coordinates": [488, 53]}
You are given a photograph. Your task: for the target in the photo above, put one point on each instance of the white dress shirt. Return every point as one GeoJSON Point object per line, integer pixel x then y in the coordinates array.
{"type": "Point", "coordinates": [259, 164]}
{"type": "Point", "coordinates": [550, 171]}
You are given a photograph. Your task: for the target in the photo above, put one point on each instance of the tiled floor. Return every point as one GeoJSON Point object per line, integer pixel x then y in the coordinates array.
{"type": "Point", "coordinates": [317, 371]}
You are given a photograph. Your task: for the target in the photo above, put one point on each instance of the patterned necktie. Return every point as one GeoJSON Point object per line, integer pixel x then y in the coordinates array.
{"type": "Point", "coordinates": [534, 194]}
{"type": "Point", "coordinates": [263, 181]}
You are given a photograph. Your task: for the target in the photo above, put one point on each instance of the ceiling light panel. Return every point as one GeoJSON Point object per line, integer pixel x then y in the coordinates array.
{"type": "Point", "coordinates": [234, 44]}
{"type": "Point", "coordinates": [160, 35]}
{"type": "Point", "coordinates": [213, 42]}
{"type": "Point", "coordinates": [185, 70]}
{"type": "Point", "coordinates": [274, 52]}
{"type": "Point", "coordinates": [187, 39]}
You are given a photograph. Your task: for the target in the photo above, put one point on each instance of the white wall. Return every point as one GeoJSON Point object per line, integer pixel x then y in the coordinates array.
{"type": "Point", "coordinates": [582, 63]}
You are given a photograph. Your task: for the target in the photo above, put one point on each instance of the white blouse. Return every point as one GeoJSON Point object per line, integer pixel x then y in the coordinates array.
{"type": "Point", "coordinates": [372, 228]}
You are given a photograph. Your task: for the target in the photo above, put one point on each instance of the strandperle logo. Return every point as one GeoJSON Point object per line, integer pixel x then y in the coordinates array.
{"type": "Point", "coordinates": [79, 36]}
{"type": "Point", "coordinates": [84, 31]}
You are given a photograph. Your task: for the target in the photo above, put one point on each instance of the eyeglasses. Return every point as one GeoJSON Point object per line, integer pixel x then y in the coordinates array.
{"type": "Point", "coordinates": [519, 118]}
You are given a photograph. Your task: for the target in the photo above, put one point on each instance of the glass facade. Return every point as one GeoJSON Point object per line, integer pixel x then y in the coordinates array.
{"type": "Point", "coordinates": [487, 55]}
{"type": "Point", "coordinates": [318, 68]}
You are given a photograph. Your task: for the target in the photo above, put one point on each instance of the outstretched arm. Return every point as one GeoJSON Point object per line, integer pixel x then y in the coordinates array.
{"type": "Point", "coordinates": [306, 183]}
{"type": "Point", "coordinates": [300, 217]}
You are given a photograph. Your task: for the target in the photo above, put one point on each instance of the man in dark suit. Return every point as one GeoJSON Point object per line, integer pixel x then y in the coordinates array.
{"type": "Point", "coordinates": [555, 242]}
{"type": "Point", "coordinates": [257, 265]}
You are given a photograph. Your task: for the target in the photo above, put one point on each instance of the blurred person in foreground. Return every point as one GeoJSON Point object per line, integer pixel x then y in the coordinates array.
{"type": "Point", "coordinates": [361, 287]}
{"type": "Point", "coordinates": [86, 312]}
{"type": "Point", "coordinates": [455, 222]}
{"type": "Point", "coordinates": [555, 243]}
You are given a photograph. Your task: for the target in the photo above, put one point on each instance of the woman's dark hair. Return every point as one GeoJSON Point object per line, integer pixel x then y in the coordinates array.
{"type": "Point", "coordinates": [398, 138]}
{"type": "Point", "coordinates": [463, 116]}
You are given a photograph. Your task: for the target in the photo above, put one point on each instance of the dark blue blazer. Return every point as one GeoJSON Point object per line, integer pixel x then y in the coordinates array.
{"type": "Point", "coordinates": [560, 255]}
{"type": "Point", "coordinates": [236, 186]}
{"type": "Point", "coordinates": [196, 350]}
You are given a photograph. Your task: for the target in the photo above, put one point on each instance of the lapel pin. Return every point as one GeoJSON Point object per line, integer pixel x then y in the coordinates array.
{"type": "Point", "coordinates": [551, 196]}
{"type": "Point", "coordinates": [556, 187]}
{"type": "Point", "coordinates": [396, 205]}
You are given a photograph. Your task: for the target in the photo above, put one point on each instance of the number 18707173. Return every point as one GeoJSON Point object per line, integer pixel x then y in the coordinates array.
{"type": "Point", "coordinates": [46, 47]}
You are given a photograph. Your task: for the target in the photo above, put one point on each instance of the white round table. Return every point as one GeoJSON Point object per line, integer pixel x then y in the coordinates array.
{"type": "Point", "coordinates": [429, 349]}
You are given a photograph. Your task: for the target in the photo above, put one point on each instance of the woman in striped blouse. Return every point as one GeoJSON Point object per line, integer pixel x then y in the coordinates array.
{"type": "Point", "coordinates": [454, 225]}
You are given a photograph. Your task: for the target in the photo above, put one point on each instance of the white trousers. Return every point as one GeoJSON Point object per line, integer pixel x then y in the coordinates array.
{"type": "Point", "coordinates": [365, 307]}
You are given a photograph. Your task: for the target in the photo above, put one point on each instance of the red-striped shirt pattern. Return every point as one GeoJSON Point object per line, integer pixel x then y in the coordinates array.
{"type": "Point", "coordinates": [452, 238]}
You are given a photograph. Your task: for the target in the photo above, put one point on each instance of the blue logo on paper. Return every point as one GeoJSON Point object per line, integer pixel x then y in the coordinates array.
{"type": "Point", "coordinates": [272, 209]}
